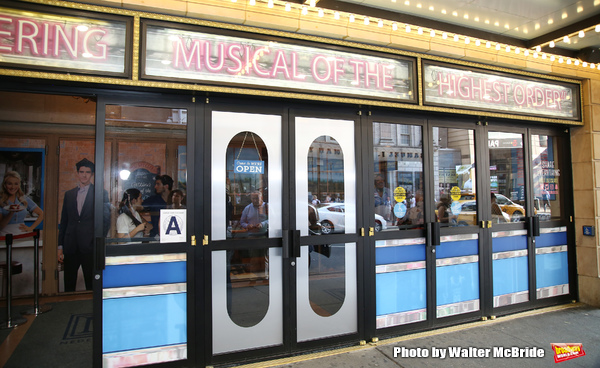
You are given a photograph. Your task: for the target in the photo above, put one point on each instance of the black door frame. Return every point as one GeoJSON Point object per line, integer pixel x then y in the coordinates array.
{"type": "Point", "coordinates": [101, 251]}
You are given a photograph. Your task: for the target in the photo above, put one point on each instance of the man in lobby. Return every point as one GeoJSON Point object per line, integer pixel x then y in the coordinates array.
{"type": "Point", "coordinates": [163, 185]}
{"type": "Point", "coordinates": [76, 233]}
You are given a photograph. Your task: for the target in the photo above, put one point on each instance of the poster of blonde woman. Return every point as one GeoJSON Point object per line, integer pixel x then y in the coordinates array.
{"type": "Point", "coordinates": [20, 190]}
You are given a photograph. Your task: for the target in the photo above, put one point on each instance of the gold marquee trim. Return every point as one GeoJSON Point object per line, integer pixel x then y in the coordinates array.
{"type": "Point", "coordinates": [138, 16]}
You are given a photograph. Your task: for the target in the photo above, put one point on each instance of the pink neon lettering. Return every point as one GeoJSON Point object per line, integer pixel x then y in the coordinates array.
{"type": "Point", "coordinates": [280, 65]}
{"type": "Point", "coordinates": [443, 83]}
{"type": "Point", "coordinates": [476, 88]}
{"type": "Point", "coordinates": [371, 74]}
{"type": "Point", "coordinates": [295, 75]}
{"type": "Point", "coordinates": [21, 24]}
{"type": "Point", "coordinates": [463, 91]}
{"type": "Point", "coordinates": [556, 97]}
{"type": "Point", "coordinates": [519, 95]}
{"type": "Point", "coordinates": [387, 78]}
{"type": "Point", "coordinates": [71, 44]}
{"type": "Point", "coordinates": [356, 64]}
{"type": "Point", "coordinates": [208, 56]}
{"type": "Point", "coordinates": [103, 47]}
{"type": "Point", "coordinates": [321, 60]}
{"type": "Point", "coordinates": [233, 52]}
{"type": "Point", "coordinates": [338, 69]}
{"type": "Point", "coordinates": [188, 59]}
{"type": "Point", "coordinates": [5, 33]}
{"type": "Point", "coordinates": [257, 55]}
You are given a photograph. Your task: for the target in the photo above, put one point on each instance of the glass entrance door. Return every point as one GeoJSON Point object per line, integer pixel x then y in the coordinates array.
{"type": "Point", "coordinates": [326, 211]}
{"type": "Point", "coordinates": [282, 248]}
{"type": "Point", "coordinates": [427, 199]}
{"type": "Point", "coordinates": [142, 229]}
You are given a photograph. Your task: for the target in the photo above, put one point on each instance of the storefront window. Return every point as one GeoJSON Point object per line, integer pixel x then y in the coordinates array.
{"type": "Point", "coordinates": [454, 176]}
{"type": "Point", "coordinates": [398, 186]}
{"type": "Point", "coordinates": [507, 177]}
{"type": "Point", "coordinates": [144, 182]}
{"type": "Point", "coordinates": [546, 175]}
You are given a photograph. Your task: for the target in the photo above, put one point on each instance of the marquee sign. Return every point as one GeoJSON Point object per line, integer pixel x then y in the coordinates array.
{"type": "Point", "coordinates": [466, 88]}
{"type": "Point", "coordinates": [205, 57]}
{"type": "Point", "coordinates": [59, 41]}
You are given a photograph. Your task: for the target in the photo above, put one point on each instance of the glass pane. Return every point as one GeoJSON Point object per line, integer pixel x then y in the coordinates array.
{"type": "Point", "coordinates": [22, 168]}
{"type": "Point", "coordinates": [327, 283]}
{"type": "Point", "coordinates": [247, 199]}
{"type": "Point", "coordinates": [546, 175]}
{"type": "Point", "coordinates": [143, 181]}
{"type": "Point", "coordinates": [247, 286]}
{"type": "Point", "coordinates": [398, 187]}
{"type": "Point", "coordinates": [326, 187]}
{"type": "Point", "coordinates": [507, 177]}
{"type": "Point", "coordinates": [454, 176]}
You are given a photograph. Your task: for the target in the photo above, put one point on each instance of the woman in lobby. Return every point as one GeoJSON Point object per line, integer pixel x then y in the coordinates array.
{"type": "Point", "coordinates": [129, 223]}
{"type": "Point", "coordinates": [14, 206]}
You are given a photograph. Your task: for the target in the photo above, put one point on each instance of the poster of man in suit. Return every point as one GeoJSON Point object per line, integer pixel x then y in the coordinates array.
{"type": "Point", "coordinates": [76, 232]}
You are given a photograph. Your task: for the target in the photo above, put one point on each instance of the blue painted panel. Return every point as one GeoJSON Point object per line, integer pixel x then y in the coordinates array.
{"type": "Point", "coordinates": [510, 275]}
{"type": "Point", "coordinates": [551, 269]}
{"type": "Point", "coordinates": [457, 283]}
{"type": "Point", "coordinates": [400, 254]}
{"type": "Point", "coordinates": [458, 248]}
{"type": "Point", "coordinates": [400, 291]}
{"type": "Point", "coordinates": [142, 322]}
{"type": "Point", "coordinates": [144, 274]}
{"type": "Point", "coordinates": [551, 239]}
{"type": "Point", "coordinates": [509, 243]}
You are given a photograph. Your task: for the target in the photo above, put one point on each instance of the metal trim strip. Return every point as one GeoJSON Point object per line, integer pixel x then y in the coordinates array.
{"type": "Point", "coordinates": [456, 260]}
{"type": "Point", "coordinates": [138, 357]}
{"type": "Point", "coordinates": [512, 298]}
{"type": "Point", "coordinates": [146, 258]}
{"type": "Point", "coordinates": [400, 267]}
{"type": "Point", "coordinates": [553, 249]}
{"type": "Point", "coordinates": [510, 254]}
{"type": "Point", "coordinates": [503, 234]}
{"type": "Point", "coordinates": [550, 291]}
{"type": "Point", "coordinates": [399, 242]}
{"type": "Point", "coordinates": [146, 290]}
{"type": "Point", "coordinates": [547, 230]}
{"type": "Point", "coordinates": [459, 237]}
{"type": "Point", "coordinates": [457, 308]}
{"type": "Point", "coordinates": [402, 318]}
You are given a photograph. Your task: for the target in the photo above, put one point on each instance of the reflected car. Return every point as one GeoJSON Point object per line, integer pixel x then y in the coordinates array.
{"type": "Point", "coordinates": [333, 219]}
{"type": "Point", "coordinates": [515, 211]}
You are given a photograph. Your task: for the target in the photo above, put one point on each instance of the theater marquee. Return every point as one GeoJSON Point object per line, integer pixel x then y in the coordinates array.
{"type": "Point", "coordinates": [473, 89]}
{"type": "Point", "coordinates": [206, 57]}
{"type": "Point", "coordinates": [62, 42]}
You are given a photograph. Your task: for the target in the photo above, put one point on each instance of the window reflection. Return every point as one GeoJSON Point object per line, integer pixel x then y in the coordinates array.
{"type": "Point", "coordinates": [454, 176]}
{"type": "Point", "coordinates": [398, 185]}
{"type": "Point", "coordinates": [327, 278]}
{"type": "Point", "coordinates": [507, 176]}
{"type": "Point", "coordinates": [546, 177]}
{"type": "Point", "coordinates": [143, 182]}
{"type": "Point", "coordinates": [247, 208]}
{"type": "Point", "coordinates": [326, 211]}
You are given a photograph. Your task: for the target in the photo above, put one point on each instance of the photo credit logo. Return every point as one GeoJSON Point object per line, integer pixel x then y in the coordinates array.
{"type": "Point", "coordinates": [565, 351]}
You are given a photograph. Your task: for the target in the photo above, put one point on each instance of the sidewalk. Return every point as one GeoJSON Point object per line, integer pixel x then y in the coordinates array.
{"type": "Point", "coordinates": [535, 330]}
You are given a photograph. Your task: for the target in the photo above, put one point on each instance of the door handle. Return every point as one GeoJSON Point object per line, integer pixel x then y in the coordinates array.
{"type": "Point", "coordinates": [435, 233]}
{"type": "Point", "coordinates": [290, 244]}
{"type": "Point", "coordinates": [533, 223]}
{"type": "Point", "coordinates": [100, 254]}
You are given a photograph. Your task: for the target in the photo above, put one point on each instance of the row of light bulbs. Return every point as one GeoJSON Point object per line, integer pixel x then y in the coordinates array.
{"type": "Point", "coordinates": [337, 15]}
